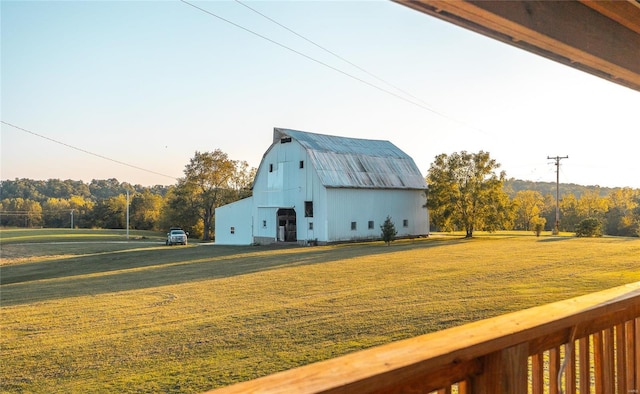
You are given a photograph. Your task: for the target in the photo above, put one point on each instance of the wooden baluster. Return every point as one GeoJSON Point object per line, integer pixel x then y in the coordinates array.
{"type": "Point", "coordinates": [464, 387]}
{"type": "Point", "coordinates": [621, 359]}
{"type": "Point", "coordinates": [636, 357]}
{"type": "Point", "coordinates": [609, 361]}
{"type": "Point", "coordinates": [570, 370]}
{"type": "Point", "coordinates": [629, 365]}
{"type": "Point", "coordinates": [584, 365]}
{"type": "Point", "coordinates": [554, 368]}
{"type": "Point", "coordinates": [598, 362]}
{"type": "Point", "coordinates": [537, 373]}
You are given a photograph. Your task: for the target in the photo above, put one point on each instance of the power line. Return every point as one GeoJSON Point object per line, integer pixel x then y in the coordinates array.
{"type": "Point", "coordinates": [330, 52]}
{"type": "Point", "coordinates": [85, 151]}
{"type": "Point", "coordinates": [423, 106]}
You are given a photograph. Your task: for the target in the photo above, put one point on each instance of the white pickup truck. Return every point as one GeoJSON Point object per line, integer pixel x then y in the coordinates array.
{"type": "Point", "coordinates": [176, 236]}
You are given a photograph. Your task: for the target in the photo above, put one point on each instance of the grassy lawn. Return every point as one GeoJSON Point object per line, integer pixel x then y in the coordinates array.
{"type": "Point", "coordinates": [139, 316]}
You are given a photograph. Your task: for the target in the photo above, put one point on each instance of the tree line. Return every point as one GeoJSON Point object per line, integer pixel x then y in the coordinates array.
{"type": "Point", "coordinates": [211, 179]}
{"type": "Point", "coordinates": [465, 193]}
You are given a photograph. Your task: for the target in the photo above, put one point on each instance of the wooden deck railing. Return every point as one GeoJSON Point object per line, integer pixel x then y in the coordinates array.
{"type": "Point", "coordinates": [588, 344]}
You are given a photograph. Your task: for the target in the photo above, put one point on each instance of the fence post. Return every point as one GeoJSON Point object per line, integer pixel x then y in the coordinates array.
{"type": "Point", "coordinates": [504, 372]}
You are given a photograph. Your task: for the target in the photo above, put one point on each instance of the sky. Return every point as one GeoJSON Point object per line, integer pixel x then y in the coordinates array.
{"type": "Point", "coordinates": [131, 90]}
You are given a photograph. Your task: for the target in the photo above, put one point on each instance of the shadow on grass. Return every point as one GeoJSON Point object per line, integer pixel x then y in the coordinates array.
{"type": "Point", "coordinates": [146, 268]}
{"type": "Point", "coordinates": [555, 239]}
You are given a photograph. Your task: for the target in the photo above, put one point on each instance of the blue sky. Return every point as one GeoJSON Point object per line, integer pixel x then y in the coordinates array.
{"type": "Point", "coordinates": [148, 83]}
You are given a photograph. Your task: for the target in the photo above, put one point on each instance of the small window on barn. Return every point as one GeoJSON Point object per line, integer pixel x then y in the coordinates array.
{"type": "Point", "coordinates": [370, 224]}
{"type": "Point", "coordinates": [270, 167]}
{"type": "Point", "coordinates": [353, 226]}
{"type": "Point", "coordinates": [405, 223]}
{"type": "Point", "coordinates": [301, 163]}
{"type": "Point", "coordinates": [285, 140]}
{"type": "Point", "coordinates": [233, 230]}
{"type": "Point", "coordinates": [308, 209]}
{"type": "Point", "coordinates": [310, 225]}
{"type": "Point", "coordinates": [264, 223]}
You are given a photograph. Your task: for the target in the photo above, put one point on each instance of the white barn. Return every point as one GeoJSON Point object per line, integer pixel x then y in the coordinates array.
{"type": "Point", "coordinates": [321, 188]}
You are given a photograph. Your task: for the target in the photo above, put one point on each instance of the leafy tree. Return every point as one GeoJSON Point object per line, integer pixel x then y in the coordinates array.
{"type": "Point", "coordinates": [111, 212]}
{"type": "Point", "coordinates": [388, 230]}
{"type": "Point", "coordinates": [465, 192]}
{"type": "Point", "coordinates": [591, 204]}
{"type": "Point", "coordinates": [179, 211]}
{"type": "Point", "coordinates": [204, 187]}
{"type": "Point", "coordinates": [636, 214]}
{"type": "Point", "coordinates": [57, 212]}
{"type": "Point", "coordinates": [22, 188]}
{"type": "Point", "coordinates": [515, 185]}
{"type": "Point", "coordinates": [549, 210]}
{"type": "Point", "coordinates": [589, 227]}
{"type": "Point", "coordinates": [65, 189]}
{"type": "Point", "coordinates": [240, 183]}
{"type": "Point", "coordinates": [20, 212]}
{"type": "Point", "coordinates": [528, 206]}
{"type": "Point", "coordinates": [619, 217]}
{"type": "Point", "coordinates": [569, 217]}
{"type": "Point", "coordinates": [242, 178]}
{"type": "Point", "coordinates": [104, 188]}
{"type": "Point", "coordinates": [82, 209]}
{"type": "Point", "coordinates": [144, 211]}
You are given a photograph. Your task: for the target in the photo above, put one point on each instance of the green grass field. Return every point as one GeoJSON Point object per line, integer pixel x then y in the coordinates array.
{"type": "Point", "coordinates": [84, 316]}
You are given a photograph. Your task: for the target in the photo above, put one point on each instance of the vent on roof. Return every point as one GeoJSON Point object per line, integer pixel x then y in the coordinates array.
{"type": "Point", "coordinates": [284, 140]}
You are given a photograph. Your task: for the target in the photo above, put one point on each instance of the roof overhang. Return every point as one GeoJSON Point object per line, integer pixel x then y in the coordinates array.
{"type": "Point", "coordinates": [598, 37]}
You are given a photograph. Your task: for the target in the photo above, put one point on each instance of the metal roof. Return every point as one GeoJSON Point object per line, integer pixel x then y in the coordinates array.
{"type": "Point", "coordinates": [356, 163]}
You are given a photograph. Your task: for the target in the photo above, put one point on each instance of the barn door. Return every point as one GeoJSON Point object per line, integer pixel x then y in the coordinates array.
{"type": "Point", "coordinates": [287, 225]}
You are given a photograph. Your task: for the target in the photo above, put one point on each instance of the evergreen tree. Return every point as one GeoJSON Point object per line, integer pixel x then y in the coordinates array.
{"type": "Point", "coordinates": [388, 231]}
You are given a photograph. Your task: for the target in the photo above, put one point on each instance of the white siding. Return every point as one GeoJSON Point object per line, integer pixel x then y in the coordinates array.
{"type": "Point", "coordinates": [265, 227]}
{"type": "Point", "coordinates": [281, 183]}
{"type": "Point", "coordinates": [317, 194]}
{"type": "Point", "coordinates": [361, 206]}
{"type": "Point", "coordinates": [233, 223]}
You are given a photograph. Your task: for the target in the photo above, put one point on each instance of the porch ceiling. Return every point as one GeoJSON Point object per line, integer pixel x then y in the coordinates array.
{"type": "Point", "coordinates": [598, 37]}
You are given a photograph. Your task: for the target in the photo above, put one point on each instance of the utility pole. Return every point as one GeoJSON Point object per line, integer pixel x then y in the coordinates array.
{"type": "Point", "coordinates": [72, 219]}
{"type": "Point", "coordinates": [127, 214]}
{"type": "Point", "coordinates": [556, 229]}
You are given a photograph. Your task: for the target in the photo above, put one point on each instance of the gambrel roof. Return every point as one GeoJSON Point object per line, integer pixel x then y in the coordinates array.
{"type": "Point", "coordinates": [343, 162]}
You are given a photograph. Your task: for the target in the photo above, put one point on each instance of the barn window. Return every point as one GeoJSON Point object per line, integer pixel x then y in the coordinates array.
{"type": "Point", "coordinates": [308, 209]}
{"type": "Point", "coordinates": [301, 163]}
{"type": "Point", "coordinates": [233, 230]}
{"type": "Point", "coordinates": [284, 140]}
{"type": "Point", "coordinates": [405, 223]}
{"type": "Point", "coordinates": [353, 226]}
{"type": "Point", "coordinates": [264, 223]}
{"type": "Point", "coordinates": [370, 224]}
{"type": "Point", "coordinates": [270, 167]}
{"type": "Point", "coordinates": [310, 225]}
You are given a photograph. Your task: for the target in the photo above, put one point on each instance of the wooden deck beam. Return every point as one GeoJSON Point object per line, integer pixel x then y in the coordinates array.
{"type": "Point", "coordinates": [601, 38]}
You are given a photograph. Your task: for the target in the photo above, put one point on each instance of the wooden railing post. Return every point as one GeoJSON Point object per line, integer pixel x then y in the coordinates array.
{"type": "Point", "coordinates": [504, 372]}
